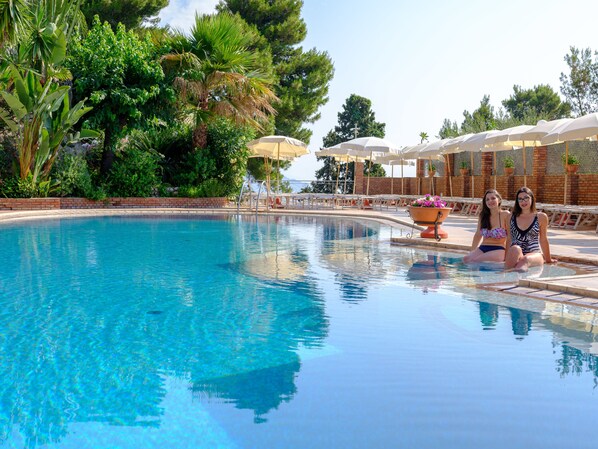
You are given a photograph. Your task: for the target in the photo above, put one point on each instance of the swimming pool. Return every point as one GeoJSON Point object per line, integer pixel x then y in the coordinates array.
{"type": "Point", "coordinates": [277, 332]}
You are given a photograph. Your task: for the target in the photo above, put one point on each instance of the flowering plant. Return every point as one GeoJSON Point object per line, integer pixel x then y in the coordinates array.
{"type": "Point", "coordinates": [429, 201]}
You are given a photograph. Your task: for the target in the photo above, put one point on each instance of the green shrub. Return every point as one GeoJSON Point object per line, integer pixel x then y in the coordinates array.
{"type": "Point", "coordinates": [208, 189]}
{"type": "Point", "coordinates": [72, 174]}
{"type": "Point", "coordinates": [508, 162]}
{"type": "Point", "coordinates": [16, 187]}
{"type": "Point", "coordinates": [135, 173]}
{"type": "Point", "coordinates": [224, 159]}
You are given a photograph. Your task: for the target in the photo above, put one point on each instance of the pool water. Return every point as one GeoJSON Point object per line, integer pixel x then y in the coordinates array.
{"type": "Point", "coordinates": [277, 332]}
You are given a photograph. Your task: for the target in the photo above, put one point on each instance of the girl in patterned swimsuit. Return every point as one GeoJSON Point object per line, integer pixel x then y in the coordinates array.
{"type": "Point", "coordinates": [528, 234]}
{"type": "Point", "coordinates": [491, 232]}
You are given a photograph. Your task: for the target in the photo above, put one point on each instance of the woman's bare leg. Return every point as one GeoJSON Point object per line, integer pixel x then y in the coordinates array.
{"type": "Point", "coordinates": [513, 256]}
{"type": "Point", "coordinates": [531, 260]}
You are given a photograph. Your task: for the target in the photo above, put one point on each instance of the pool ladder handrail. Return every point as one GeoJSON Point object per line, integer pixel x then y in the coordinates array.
{"type": "Point", "coordinates": [246, 186]}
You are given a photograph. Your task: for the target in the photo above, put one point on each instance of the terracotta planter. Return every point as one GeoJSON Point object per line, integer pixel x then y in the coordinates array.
{"type": "Point", "coordinates": [571, 169]}
{"type": "Point", "coordinates": [431, 173]}
{"type": "Point", "coordinates": [427, 216]}
{"type": "Point", "coordinates": [464, 171]}
{"type": "Point", "coordinates": [509, 171]}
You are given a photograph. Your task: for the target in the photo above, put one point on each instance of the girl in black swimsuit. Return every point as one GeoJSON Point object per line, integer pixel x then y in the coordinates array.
{"type": "Point", "coordinates": [528, 234]}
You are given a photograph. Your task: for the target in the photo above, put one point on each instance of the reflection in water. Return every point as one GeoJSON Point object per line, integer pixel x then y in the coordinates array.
{"type": "Point", "coordinates": [269, 387]}
{"type": "Point", "coordinates": [431, 270]}
{"type": "Point", "coordinates": [521, 321]}
{"type": "Point", "coordinates": [488, 315]}
{"type": "Point", "coordinates": [349, 250]}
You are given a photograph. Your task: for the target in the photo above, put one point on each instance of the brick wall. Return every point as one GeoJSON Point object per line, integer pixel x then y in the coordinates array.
{"type": "Point", "coordinates": [109, 203]}
{"type": "Point", "coordinates": [582, 188]}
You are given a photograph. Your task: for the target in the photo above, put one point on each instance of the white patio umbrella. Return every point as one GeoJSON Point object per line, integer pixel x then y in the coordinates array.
{"type": "Point", "coordinates": [341, 155]}
{"type": "Point", "coordinates": [392, 160]}
{"type": "Point", "coordinates": [472, 144]}
{"type": "Point", "coordinates": [434, 151]}
{"type": "Point", "coordinates": [581, 128]}
{"type": "Point", "coordinates": [369, 148]}
{"type": "Point", "coordinates": [412, 152]}
{"type": "Point", "coordinates": [277, 147]}
{"type": "Point", "coordinates": [514, 136]}
{"type": "Point", "coordinates": [543, 128]}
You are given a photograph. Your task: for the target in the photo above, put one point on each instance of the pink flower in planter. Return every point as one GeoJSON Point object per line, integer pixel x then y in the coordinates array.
{"type": "Point", "coordinates": [429, 201]}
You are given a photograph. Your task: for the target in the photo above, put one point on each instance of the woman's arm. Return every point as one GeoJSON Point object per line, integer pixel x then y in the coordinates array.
{"type": "Point", "coordinates": [507, 226]}
{"type": "Point", "coordinates": [544, 245]}
{"type": "Point", "coordinates": [477, 238]}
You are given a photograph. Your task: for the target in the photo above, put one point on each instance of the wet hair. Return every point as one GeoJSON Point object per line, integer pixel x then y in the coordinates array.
{"type": "Point", "coordinates": [517, 208]}
{"type": "Point", "coordinates": [485, 213]}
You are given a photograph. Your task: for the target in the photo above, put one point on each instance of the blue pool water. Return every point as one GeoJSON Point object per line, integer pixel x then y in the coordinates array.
{"type": "Point", "coordinates": [226, 332]}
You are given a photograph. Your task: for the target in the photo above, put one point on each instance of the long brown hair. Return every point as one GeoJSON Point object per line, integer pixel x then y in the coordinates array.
{"type": "Point", "coordinates": [517, 208]}
{"type": "Point", "coordinates": [485, 214]}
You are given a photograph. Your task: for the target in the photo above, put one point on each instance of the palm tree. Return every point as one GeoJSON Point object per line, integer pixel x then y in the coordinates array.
{"type": "Point", "coordinates": [217, 74]}
{"type": "Point", "coordinates": [423, 136]}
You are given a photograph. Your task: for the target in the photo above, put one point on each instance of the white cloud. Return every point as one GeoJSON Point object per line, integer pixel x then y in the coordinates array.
{"type": "Point", "coordinates": [180, 14]}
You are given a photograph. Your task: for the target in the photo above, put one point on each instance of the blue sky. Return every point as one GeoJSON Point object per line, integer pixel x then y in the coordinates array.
{"type": "Point", "coordinates": [422, 62]}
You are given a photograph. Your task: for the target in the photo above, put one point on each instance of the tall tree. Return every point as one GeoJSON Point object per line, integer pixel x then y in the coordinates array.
{"type": "Point", "coordinates": [531, 105]}
{"type": "Point", "coordinates": [131, 13]}
{"type": "Point", "coordinates": [303, 76]}
{"type": "Point", "coordinates": [580, 85]}
{"type": "Point", "coordinates": [482, 119]}
{"type": "Point", "coordinates": [449, 129]}
{"type": "Point", "coordinates": [355, 120]}
{"type": "Point", "coordinates": [120, 75]}
{"type": "Point", "coordinates": [218, 75]}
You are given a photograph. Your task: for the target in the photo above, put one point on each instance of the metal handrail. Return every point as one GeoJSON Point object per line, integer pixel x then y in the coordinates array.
{"type": "Point", "coordinates": [259, 191]}
{"type": "Point", "coordinates": [245, 183]}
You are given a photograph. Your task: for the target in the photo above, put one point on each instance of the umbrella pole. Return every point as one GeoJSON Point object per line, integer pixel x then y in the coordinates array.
{"type": "Point", "coordinates": [402, 180]}
{"type": "Point", "coordinates": [354, 174]}
{"type": "Point", "coordinates": [392, 179]}
{"type": "Point", "coordinates": [338, 173]}
{"type": "Point", "coordinates": [566, 172]}
{"type": "Point", "coordinates": [524, 168]}
{"type": "Point", "coordinates": [472, 175]}
{"type": "Point", "coordinates": [346, 173]}
{"type": "Point", "coordinates": [278, 169]}
{"type": "Point", "coordinates": [267, 173]}
{"type": "Point", "coordinates": [367, 190]}
{"type": "Point", "coordinates": [448, 171]}
{"type": "Point", "coordinates": [419, 184]}
{"type": "Point", "coordinates": [431, 179]}
{"type": "Point", "coordinates": [494, 169]}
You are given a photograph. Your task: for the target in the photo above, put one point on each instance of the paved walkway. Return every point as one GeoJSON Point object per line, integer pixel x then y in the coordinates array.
{"type": "Point", "coordinates": [568, 246]}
